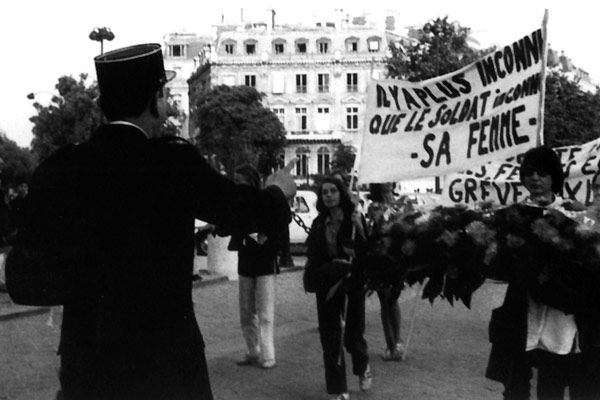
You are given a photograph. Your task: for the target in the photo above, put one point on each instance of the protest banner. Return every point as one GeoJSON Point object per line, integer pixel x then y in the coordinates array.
{"type": "Point", "coordinates": [488, 110]}
{"type": "Point", "coordinates": [499, 183]}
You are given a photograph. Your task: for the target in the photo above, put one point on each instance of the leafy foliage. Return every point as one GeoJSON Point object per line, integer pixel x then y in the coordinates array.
{"type": "Point", "coordinates": [235, 128]}
{"type": "Point", "coordinates": [441, 47]}
{"type": "Point", "coordinates": [74, 114]}
{"type": "Point", "coordinates": [69, 118]}
{"type": "Point", "coordinates": [343, 158]}
{"type": "Point", "coordinates": [571, 115]}
{"type": "Point", "coordinates": [17, 163]}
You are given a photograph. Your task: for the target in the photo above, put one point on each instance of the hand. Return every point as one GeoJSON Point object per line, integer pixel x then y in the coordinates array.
{"type": "Point", "coordinates": [284, 180]}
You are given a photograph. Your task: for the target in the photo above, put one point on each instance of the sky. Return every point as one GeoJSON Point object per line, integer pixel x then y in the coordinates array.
{"type": "Point", "coordinates": [41, 40]}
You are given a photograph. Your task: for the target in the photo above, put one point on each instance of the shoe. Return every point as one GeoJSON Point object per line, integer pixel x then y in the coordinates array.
{"type": "Point", "coordinates": [388, 355]}
{"type": "Point", "coordinates": [268, 364]}
{"type": "Point", "coordinates": [394, 354]}
{"type": "Point", "coordinates": [365, 381]}
{"type": "Point", "coordinates": [342, 396]}
{"type": "Point", "coordinates": [399, 352]}
{"type": "Point", "coordinates": [247, 360]}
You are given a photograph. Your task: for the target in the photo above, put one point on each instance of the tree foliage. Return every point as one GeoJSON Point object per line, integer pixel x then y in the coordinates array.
{"type": "Point", "coordinates": [343, 158]}
{"type": "Point", "coordinates": [74, 114]}
{"type": "Point", "coordinates": [235, 128]}
{"type": "Point", "coordinates": [17, 164]}
{"type": "Point", "coordinates": [571, 115]}
{"type": "Point", "coordinates": [440, 47]}
{"type": "Point", "coordinates": [69, 118]}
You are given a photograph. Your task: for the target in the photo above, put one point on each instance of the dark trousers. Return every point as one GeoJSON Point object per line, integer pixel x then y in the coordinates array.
{"type": "Point", "coordinates": [330, 330]}
{"type": "Point", "coordinates": [555, 374]}
{"type": "Point", "coordinates": [390, 315]}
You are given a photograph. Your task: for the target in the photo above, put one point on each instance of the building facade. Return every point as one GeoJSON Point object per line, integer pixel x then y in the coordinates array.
{"type": "Point", "coordinates": [183, 53]}
{"type": "Point", "coordinates": [314, 79]}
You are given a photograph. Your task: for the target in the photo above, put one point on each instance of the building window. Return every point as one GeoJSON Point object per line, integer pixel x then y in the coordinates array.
{"type": "Point", "coordinates": [323, 161]}
{"type": "Point", "coordinates": [301, 118]}
{"type": "Point", "coordinates": [177, 50]}
{"type": "Point", "coordinates": [250, 48]}
{"type": "Point", "coordinates": [352, 82]}
{"type": "Point", "coordinates": [280, 113]}
{"type": "Point", "coordinates": [250, 80]}
{"type": "Point", "coordinates": [322, 121]}
{"type": "Point", "coordinates": [323, 83]}
{"type": "Point", "coordinates": [301, 47]}
{"type": "Point", "coordinates": [278, 82]}
{"type": "Point", "coordinates": [352, 46]}
{"type": "Point", "coordinates": [352, 118]}
{"type": "Point", "coordinates": [373, 45]}
{"type": "Point", "coordinates": [300, 83]}
{"type": "Point", "coordinates": [279, 48]}
{"type": "Point", "coordinates": [323, 45]}
{"type": "Point", "coordinates": [302, 165]}
{"type": "Point", "coordinates": [229, 48]}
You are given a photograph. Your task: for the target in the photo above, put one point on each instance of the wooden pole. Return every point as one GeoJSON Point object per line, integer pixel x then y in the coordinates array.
{"type": "Point", "coordinates": [540, 136]}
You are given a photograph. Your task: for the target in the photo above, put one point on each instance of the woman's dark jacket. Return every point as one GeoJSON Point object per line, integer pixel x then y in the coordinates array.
{"type": "Point", "coordinates": [320, 272]}
{"type": "Point", "coordinates": [508, 325]}
{"type": "Point", "coordinates": [257, 259]}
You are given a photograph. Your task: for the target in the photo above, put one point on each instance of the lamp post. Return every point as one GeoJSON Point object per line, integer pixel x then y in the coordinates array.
{"type": "Point", "coordinates": [307, 161]}
{"type": "Point", "coordinates": [100, 35]}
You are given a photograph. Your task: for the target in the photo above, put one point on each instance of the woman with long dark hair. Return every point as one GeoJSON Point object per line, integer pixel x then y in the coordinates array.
{"type": "Point", "coordinates": [335, 237]}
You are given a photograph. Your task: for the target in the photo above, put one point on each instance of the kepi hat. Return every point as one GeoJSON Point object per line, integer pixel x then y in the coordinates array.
{"type": "Point", "coordinates": [131, 71]}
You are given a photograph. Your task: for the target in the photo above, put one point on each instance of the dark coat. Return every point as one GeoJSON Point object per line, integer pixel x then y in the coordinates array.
{"type": "Point", "coordinates": [257, 259]}
{"type": "Point", "coordinates": [320, 272]}
{"type": "Point", "coordinates": [114, 220]}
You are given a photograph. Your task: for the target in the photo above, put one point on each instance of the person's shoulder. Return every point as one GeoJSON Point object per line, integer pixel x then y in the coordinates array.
{"type": "Point", "coordinates": [174, 146]}
{"type": "Point", "coordinates": [68, 155]}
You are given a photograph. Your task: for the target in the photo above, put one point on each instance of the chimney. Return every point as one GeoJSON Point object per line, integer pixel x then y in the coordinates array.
{"type": "Point", "coordinates": [273, 18]}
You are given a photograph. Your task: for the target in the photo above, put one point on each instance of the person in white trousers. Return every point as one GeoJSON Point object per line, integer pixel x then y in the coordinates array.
{"type": "Point", "coordinates": [257, 269]}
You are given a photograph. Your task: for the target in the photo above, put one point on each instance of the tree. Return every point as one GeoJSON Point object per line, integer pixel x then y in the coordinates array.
{"type": "Point", "coordinates": [235, 128]}
{"type": "Point", "coordinates": [343, 158]}
{"type": "Point", "coordinates": [74, 114]}
{"type": "Point", "coordinates": [16, 163]}
{"type": "Point", "coordinates": [440, 47]}
{"type": "Point", "coordinates": [69, 118]}
{"type": "Point", "coordinates": [571, 115]}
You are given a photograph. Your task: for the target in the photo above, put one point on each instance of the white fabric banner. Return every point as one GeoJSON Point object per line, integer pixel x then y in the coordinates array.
{"type": "Point", "coordinates": [489, 110]}
{"type": "Point", "coordinates": [499, 182]}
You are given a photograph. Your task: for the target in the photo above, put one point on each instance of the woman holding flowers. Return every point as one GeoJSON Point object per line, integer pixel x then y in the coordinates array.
{"type": "Point", "coordinates": [335, 236]}
{"type": "Point", "coordinates": [545, 322]}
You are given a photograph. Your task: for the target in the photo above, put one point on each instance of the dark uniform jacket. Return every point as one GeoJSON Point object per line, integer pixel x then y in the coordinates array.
{"type": "Point", "coordinates": [113, 221]}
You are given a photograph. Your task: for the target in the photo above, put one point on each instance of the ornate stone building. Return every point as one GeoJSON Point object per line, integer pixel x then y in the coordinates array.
{"type": "Point", "coordinates": [314, 78]}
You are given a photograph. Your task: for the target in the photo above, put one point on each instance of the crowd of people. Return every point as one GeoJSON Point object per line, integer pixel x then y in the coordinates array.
{"type": "Point", "coordinates": [106, 232]}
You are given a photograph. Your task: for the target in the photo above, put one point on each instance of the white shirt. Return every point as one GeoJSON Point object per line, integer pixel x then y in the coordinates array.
{"type": "Point", "coordinates": [548, 328]}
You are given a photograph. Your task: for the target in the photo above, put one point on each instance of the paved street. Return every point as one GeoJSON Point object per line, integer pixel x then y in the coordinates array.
{"type": "Point", "coordinates": [447, 354]}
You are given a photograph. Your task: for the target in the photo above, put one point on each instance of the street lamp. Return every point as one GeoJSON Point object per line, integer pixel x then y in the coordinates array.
{"type": "Point", "coordinates": [307, 160]}
{"type": "Point", "coordinates": [100, 35]}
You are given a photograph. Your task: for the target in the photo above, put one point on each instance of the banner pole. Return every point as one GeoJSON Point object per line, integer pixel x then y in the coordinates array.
{"type": "Point", "coordinates": [540, 136]}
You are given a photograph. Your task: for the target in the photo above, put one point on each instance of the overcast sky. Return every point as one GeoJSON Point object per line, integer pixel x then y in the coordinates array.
{"type": "Point", "coordinates": [41, 40]}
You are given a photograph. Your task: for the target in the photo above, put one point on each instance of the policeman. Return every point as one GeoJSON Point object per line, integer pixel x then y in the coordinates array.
{"type": "Point", "coordinates": [109, 235]}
